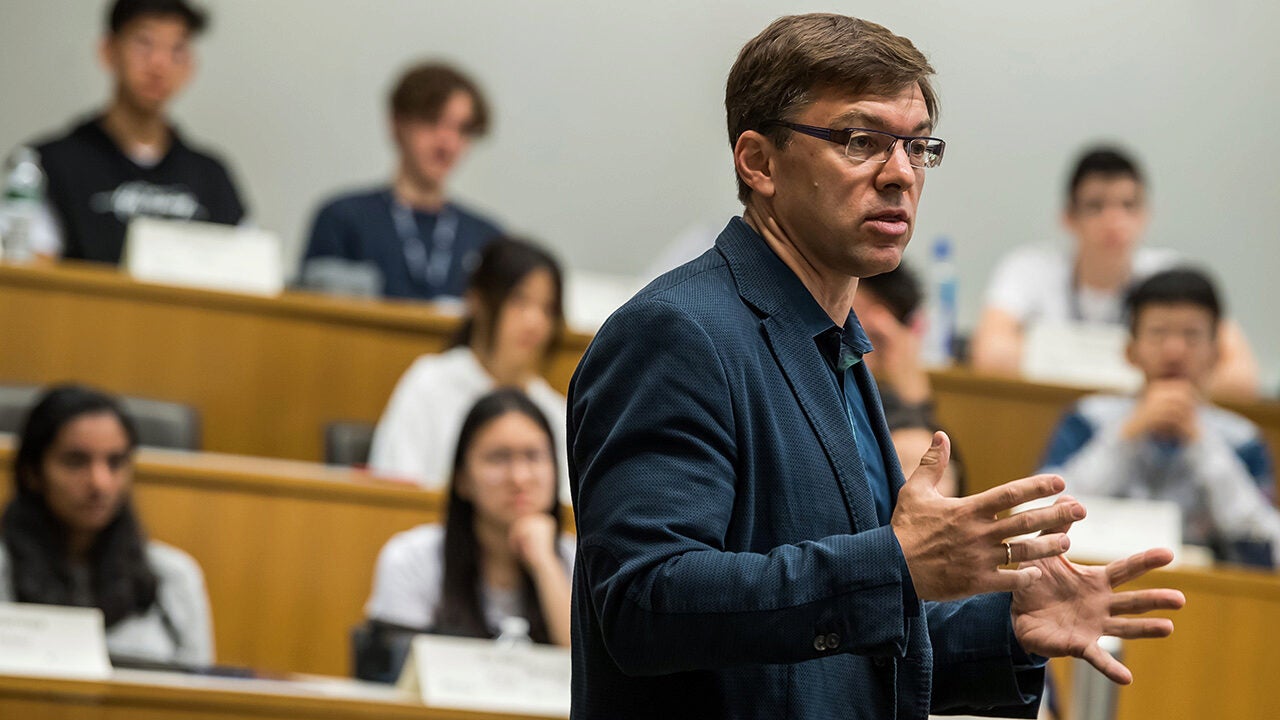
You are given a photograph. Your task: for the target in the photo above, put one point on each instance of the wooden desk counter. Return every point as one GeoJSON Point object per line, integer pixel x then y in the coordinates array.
{"type": "Point", "coordinates": [134, 695]}
{"type": "Point", "coordinates": [266, 374]}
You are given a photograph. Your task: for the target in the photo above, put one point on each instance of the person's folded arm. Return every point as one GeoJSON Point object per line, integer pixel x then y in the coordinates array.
{"type": "Point", "coordinates": [1239, 509]}
{"type": "Point", "coordinates": [1093, 461]}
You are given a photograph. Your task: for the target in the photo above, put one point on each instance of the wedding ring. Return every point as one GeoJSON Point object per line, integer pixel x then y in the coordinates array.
{"type": "Point", "coordinates": [1008, 554]}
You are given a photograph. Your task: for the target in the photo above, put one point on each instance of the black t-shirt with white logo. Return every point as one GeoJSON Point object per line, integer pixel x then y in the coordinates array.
{"type": "Point", "coordinates": [95, 189]}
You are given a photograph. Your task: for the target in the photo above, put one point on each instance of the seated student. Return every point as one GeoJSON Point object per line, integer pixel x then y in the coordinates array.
{"type": "Point", "coordinates": [500, 553]}
{"type": "Point", "coordinates": [421, 243]}
{"type": "Point", "coordinates": [888, 307]}
{"type": "Point", "coordinates": [70, 536]}
{"type": "Point", "coordinates": [130, 161]}
{"type": "Point", "coordinates": [1169, 442]}
{"type": "Point", "coordinates": [1106, 214]}
{"type": "Point", "coordinates": [514, 317]}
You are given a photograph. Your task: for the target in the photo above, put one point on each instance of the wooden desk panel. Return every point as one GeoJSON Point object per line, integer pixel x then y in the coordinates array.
{"type": "Point", "coordinates": [1223, 656]}
{"type": "Point", "coordinates": [266, 374]}
{"type": "Point", "coordinates": [162, 696]}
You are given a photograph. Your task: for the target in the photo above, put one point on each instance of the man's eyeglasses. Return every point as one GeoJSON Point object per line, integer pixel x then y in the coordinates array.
{"type": "Point", "coordinates": [867, 145]}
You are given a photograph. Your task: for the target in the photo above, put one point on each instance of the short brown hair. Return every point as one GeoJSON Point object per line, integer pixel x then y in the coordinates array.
{"type": "Point", "coordinates": [424, 89]}
{"type": "Point", "coordinates": [777, 70]}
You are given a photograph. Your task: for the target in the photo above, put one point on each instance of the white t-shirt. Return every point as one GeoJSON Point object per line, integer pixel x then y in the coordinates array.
{"type": "Point", "coordinates": [409, 580]}
{"type": "Point", "coordinates": [1036, 283]}
{"type": "Point", "coordinates": [417, 434]}
{"type": "Point", "coordinates": [176, 628]}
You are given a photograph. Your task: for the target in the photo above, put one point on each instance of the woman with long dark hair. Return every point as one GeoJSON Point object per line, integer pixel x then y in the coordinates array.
{"type": "Point", "coordinates": [514, 318]}
{"type": "Point", "coordinates": [70, 536]}
{"type": "Point", "coordinates": [500, 552]}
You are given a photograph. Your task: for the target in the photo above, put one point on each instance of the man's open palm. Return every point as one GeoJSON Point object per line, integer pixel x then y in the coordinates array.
{"type": "Point", "coordinates": [1071, 606]}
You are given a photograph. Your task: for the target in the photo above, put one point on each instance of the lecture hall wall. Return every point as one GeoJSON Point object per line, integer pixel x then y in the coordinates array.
{"type": "Point", "coordinates": [609, 137]}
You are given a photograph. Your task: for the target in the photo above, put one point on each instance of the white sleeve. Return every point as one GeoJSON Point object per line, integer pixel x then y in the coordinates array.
{"type": "Point", "coordinates": [557, 416]}
{"type": "Point", "coordinates": [404, 433]}
{"type": "Point", "coordinates": [1105, 466]}
{"type": "Point", "coordinates": [6, 581]}
{"type": "Point", "coordinates": [407, 581]}
{"type": "Point", "coordinates": [183, 597]}
{"type": "Point", "coordinates": [1239, 509]}
{"type": "Point", "coordinates": [1013, 285]}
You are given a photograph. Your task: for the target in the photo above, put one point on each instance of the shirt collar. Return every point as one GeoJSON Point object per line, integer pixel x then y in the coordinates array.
{"type": "Point", "coordinates": [766, 281]}
{"type": "Point", "coordinates": [843, 347]}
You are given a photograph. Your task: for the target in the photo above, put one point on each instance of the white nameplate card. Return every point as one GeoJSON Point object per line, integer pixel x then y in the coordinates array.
{"type": "Point", "coordinates": [1116, 528]}
{"type": "Point", "coordinates": [1083, 354]}
{"type": "Point", "coordinates": [205, 255]}
{"type": "Point", "coordinates": [488, 676]}
{"type": "Point", "coordinates": [53, 641]}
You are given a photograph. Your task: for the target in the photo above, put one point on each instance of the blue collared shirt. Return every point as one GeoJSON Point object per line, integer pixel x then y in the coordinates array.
{"type": "Point", "coordinates": [843, 349]}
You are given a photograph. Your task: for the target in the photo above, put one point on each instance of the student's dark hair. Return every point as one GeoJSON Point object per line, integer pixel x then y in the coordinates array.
{"type": "Point", "coordinates": [121, 581]}
{"type": "Point", "coordinates": [778, 71]}
{"type": "Point", "coordinates": [1179, 286]}
{"type": "Point", "coordinates": [461, 611]}
{"type": "Point", "coordinates": [504, 264]}
{"type": "Point", "coordinates": [899, 290]}
{"type": "Point", "coordinates": [423, 90]}
{"type": "Point", "coordinates": [123, 12]}
{"type": "Point", "coordinates": [1102, 161]}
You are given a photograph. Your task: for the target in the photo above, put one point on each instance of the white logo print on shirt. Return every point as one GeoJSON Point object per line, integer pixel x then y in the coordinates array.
{"type": "Point", "coordinates": [139, 197]}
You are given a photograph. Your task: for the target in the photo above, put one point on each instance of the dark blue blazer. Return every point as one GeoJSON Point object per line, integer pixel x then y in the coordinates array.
{"type": "Point", "coordinates": [730, 561]}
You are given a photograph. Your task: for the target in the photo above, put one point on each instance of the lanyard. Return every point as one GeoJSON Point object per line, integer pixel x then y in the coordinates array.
{"type": "Point", "coordinates": [433, 270]}
{"type": "Point", "coordinates": [1077, 311]}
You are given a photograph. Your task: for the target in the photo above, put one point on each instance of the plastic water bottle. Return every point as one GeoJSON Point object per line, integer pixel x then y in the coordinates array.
{"type": "Point", "coordinates": [23, 198]}
{"type": "Point", "coordinates": [940, 338]}
{"type": "Point", "coordinates": [513, 632]}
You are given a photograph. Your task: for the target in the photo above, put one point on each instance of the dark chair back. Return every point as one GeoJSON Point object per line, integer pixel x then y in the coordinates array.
{"type": "Point", "coordinates": [347, 443]}
{"type": "Point", "coordinates": [160, 423]}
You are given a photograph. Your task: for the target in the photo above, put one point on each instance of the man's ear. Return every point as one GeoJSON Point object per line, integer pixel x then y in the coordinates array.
{"type": "Point", "coordinates": [393, 131]}
{"type": "Point", "coordinates": [106, 54]}
{"type": "Point", "coordinates": [1131, 352]}
{"type": "Point", "coordinates": [471, 303]}
{"type": "Point", "coordinates": [1217, 343]}
{"type": "Point", "coordinates": [753, 158]}
{"type": "Point", "coordinates": [1068, 220]}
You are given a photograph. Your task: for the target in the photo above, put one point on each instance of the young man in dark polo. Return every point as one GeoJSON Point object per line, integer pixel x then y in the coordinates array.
{"type": "Point", "coordinates": [410, 235]}
{"type": "Point", "coordinates": [129, 160]}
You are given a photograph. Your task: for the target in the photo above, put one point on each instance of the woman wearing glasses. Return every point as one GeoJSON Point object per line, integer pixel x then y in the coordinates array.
{"type": "Point", "coordinates": [70, 535]}
{"type": "Point", "coordinates": [514, 317]}
{"type": "Point", "coordinates": [500, 553]}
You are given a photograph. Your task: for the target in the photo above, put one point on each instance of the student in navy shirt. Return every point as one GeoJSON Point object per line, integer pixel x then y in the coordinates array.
{"type": "Point", "coordinates": [416, 242]}
{"type": "Point", "coordinates": [129, 161]}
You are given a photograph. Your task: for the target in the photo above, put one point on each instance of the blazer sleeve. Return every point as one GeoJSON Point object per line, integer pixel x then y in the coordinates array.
{"type": "Point", "coordinates": [978, 666]}
{"type": "Point", "coordinates": [654, 456]}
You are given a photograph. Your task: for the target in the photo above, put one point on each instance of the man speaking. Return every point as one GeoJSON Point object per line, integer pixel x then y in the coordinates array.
{"type": "Point", "coordinates": [747, 545]}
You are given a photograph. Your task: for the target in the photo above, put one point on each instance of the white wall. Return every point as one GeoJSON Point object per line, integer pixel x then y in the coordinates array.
{"type": "Point", "coordinates": [609, 137]}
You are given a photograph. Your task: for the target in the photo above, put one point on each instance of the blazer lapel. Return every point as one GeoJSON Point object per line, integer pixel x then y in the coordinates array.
{"type": "Point", "coordinates": [815, 390]}
{"type": "Point", "coordinates": [768, 285]}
